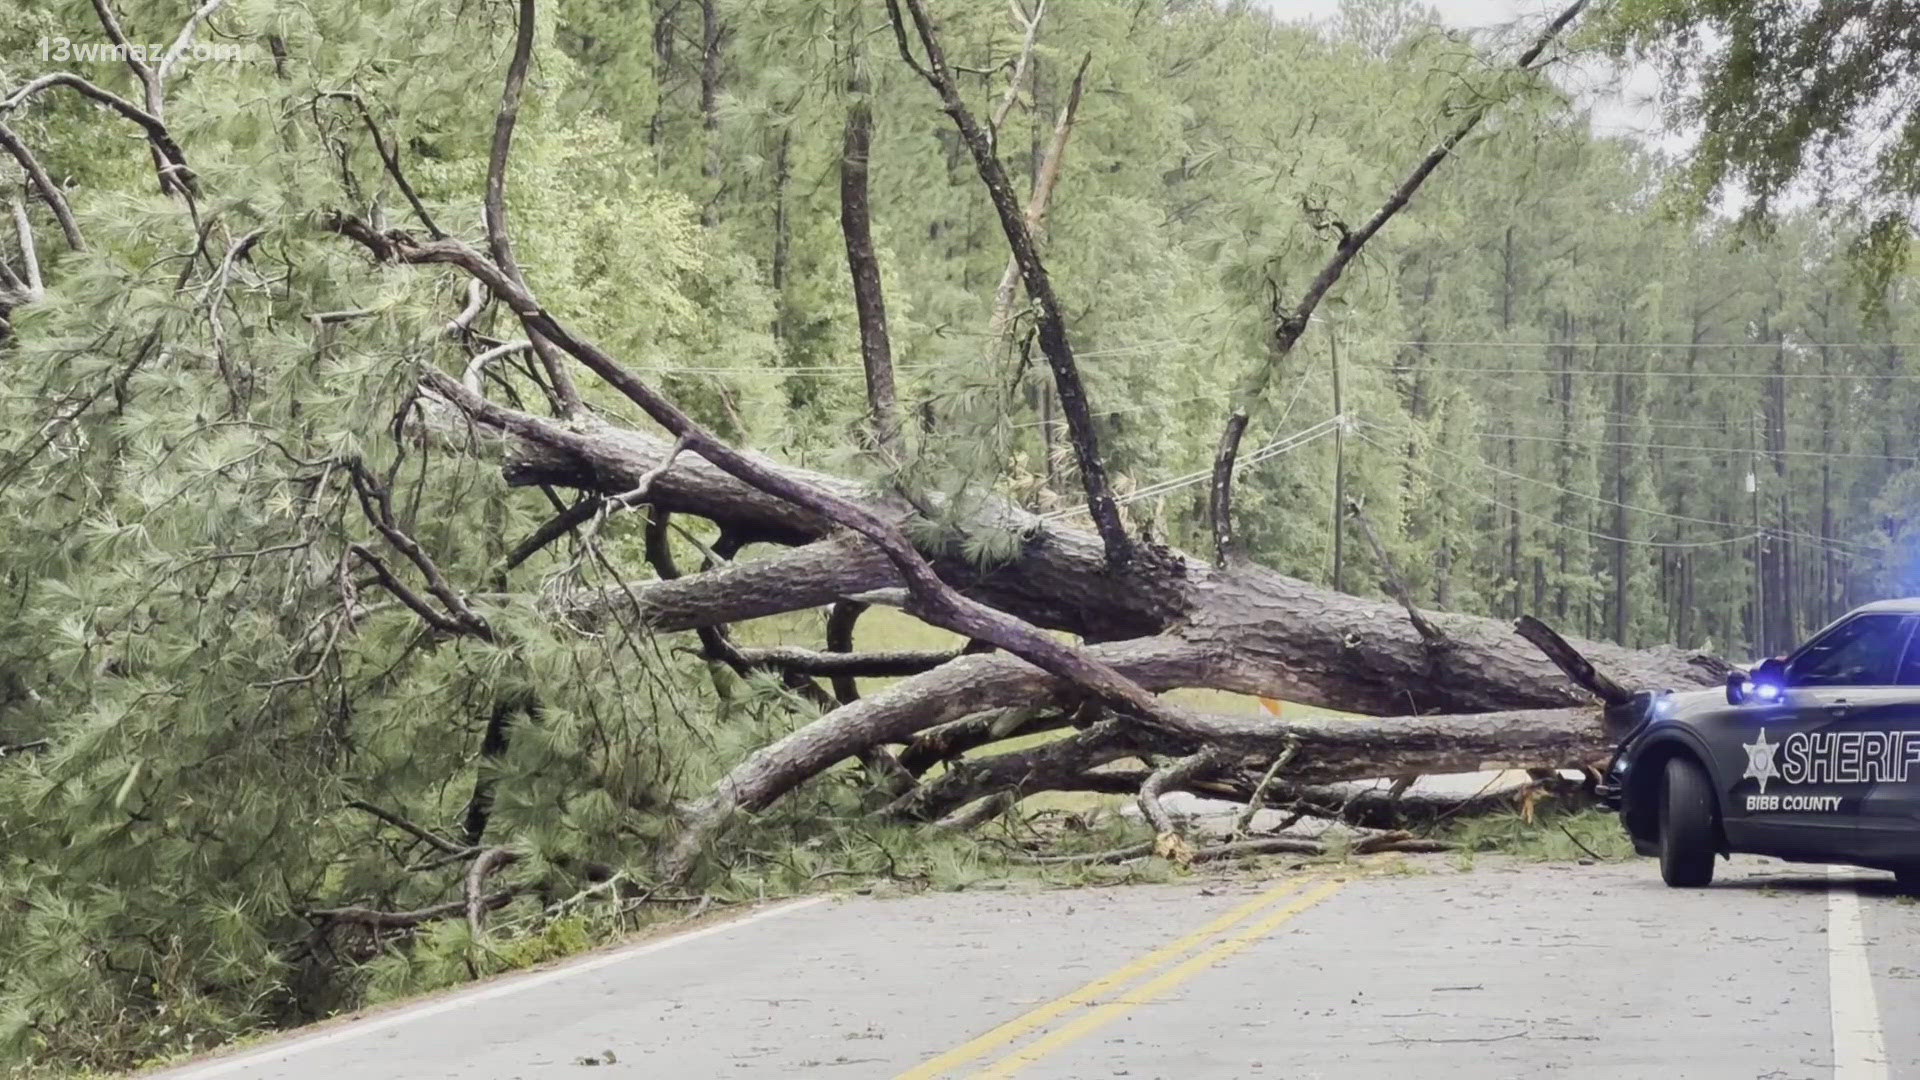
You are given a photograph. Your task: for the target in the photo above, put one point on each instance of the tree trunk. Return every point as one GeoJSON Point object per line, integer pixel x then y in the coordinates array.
{"type": "Point", "coordinates": [712, 34]}
{"type": "Point", "coordinates": [869, 301]}
{"type": "Point", "coordinates": [1307, 643]}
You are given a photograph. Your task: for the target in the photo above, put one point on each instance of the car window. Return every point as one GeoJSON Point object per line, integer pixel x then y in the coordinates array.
{"type": "Point", "coordinates": [1859, 652]}
{"type": "Point", "coordinates": [1909, 673]}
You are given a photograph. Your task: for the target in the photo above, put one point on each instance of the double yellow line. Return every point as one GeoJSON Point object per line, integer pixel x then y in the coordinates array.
{"type": "Point", "coordinates": [1108, 1006]}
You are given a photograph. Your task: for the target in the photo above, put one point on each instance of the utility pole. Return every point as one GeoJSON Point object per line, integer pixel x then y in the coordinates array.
{"type": "Point", "coordinates": [1339, 465]}
{"type": "Point", "coordinates": [1759, 551]}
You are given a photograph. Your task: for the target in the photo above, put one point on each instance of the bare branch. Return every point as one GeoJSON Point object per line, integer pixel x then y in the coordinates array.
{"type": "Point", "coordinates": [489, 861]}
{"type": "Point", "coordinates": [638, 493]}
{"type": "Point", "coordinates": [1220, 491]}
{"type": "Point", "coordinates": [446, 847]}
{"type": "Point", "coordinates": [841, 620]}
{"type": "Point", "coordinates": [334, 318]}
{"type": "Point", "coordinates": [171, 161]}
{"type": "Point", "coordinates": [1568, 659]}
{"type": "Point", "coordinates": [1031, 24]}
{"type": "Point", "coordinates": [560, 525]}
{"type": "Point", "coordinates": [184, 40]}
{"type": "Point", "coordinates": [1259, 797]}
{"type": "Point", "coordinates": [499, 240]}
{"type": "Point", "coordinates": [391, 160]}
{"type": "Point", "coordinates": [406, 920]}
{"type": "Point", "coordinates": [49, 192]}
{"type": "Point", "coordinates": [144, 74]}
{"type": "Point", "coordinates": [847, 665]}
{"type": "Point", "coordinates": [413, 600]}
{"type": "Point", "coordinates": [1290, 324]}
{"type": "Point", "coordinates": [950, 740]}
{"type": "Point", "coordinates": [1175, 772]}
{"type": "Point", "coordinates": [29, 255]}
{"type": "Point", "coordinates": [1396, 586]}
{"type": "Point", "coordinates": [377, 503]}
{"type": "Point", "coordinates": [1037, 204]}
{"type": "Point", "coordinates": [477, 366]}
{"type": "Point", "coordinates": [476, 300]}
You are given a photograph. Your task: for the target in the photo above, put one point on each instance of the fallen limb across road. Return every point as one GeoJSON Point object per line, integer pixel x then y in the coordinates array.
{"type": "Point", "coordinates": [1476, 696]}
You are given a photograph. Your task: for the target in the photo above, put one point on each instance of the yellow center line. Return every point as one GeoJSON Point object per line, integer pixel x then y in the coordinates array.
{"type": "Point", "coordinates": [1096, 1018]}
{"type": "Point", "coordinates": [1093, 991]}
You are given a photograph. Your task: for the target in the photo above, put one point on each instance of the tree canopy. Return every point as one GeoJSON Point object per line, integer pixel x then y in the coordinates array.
{"type": "Point", "coordinates": [1814, 98]}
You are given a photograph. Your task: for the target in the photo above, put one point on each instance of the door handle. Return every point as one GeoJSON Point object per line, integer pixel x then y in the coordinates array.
{"type": "Point", "coordinates": [1839, 707]}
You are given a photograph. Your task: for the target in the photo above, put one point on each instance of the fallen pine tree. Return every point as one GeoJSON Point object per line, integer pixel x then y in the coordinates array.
{"type": "Point", "coordinates": [1444, 693]}
{"type": "Point", "coordinates": [1074, 632]}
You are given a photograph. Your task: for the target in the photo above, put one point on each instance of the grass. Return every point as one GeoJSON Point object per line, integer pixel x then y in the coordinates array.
{"type": "Point", "coordinates": [1549, 837]}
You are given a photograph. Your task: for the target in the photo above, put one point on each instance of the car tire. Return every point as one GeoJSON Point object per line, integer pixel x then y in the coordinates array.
{"type": "Point", "coordinates": [1908, 879]}
{"type": "Point", "coordinates": [1687, 840]}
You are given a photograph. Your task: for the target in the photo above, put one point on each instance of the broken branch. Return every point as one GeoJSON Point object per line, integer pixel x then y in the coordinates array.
{"type": "Point", "coordinates": [1568, 659]}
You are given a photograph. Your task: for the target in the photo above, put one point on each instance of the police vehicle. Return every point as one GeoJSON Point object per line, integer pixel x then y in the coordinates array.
{"type": "Point", "coordinates": [1810, 757]}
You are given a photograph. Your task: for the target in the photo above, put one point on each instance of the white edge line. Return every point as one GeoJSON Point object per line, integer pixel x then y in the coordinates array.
{"type": "Point", "coordinates": [1859, 1048]}
{"type": "Point", "coordinates": [499, 988]}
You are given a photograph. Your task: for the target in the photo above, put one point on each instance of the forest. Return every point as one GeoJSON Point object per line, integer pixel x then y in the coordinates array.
{"type": "Point", "coordinates": [773, 440]}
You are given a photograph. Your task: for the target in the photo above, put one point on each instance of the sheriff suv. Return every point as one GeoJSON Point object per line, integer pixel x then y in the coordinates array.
{"type": "Point", "coordinates": [1810, 757]}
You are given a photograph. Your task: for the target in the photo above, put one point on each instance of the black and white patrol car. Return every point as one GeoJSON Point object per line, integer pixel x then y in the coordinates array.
{"type": "Point", "coordinates": [1811, 757]}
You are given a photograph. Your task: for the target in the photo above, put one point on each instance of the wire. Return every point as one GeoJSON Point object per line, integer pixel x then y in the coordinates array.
{"type": "Point", "coordinates": [1490, 467]}
{"type": "Point", "coordinates": [1482, 496]}
{"type": "Point", "coordinates": [1651, 344]}
{"type": "Point", "coordinates": [1273, 449]}
{"type": "Point", "coordinates": [1728, 450]}
{"type": "Point", "coordinates": [1797, 375]}
{"type": "Point", "coordinates": [1723, 426]}
{"type": "Point", "coordinates": [1825, 543]}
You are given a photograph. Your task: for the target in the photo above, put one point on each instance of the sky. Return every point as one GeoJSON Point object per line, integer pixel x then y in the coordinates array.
{"type": "Point", "coordinates": [1623, 103]}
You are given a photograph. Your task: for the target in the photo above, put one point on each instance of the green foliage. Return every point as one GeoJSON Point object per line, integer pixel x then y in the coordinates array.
{"type": "Point", "coordinates": [1790, 100]}
{"type": "Point", "coordinates": [1550, 387]}
{"type": "Point", "coordinates": [1549, 836]}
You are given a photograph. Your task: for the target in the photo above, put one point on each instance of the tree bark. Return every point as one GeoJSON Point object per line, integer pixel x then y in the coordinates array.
{"type": "Point", "coordinates": [1293, 639]}
{"type": "Point", "coordinates": [869, 301]}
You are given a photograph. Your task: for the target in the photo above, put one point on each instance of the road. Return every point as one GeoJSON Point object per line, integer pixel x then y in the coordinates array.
{"type": "Point", "coordinates": [1398, 969]}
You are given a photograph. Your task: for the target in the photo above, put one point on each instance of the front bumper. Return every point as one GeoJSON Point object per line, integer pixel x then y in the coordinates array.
{"type": "Point", "coordinates": [1631, 719]}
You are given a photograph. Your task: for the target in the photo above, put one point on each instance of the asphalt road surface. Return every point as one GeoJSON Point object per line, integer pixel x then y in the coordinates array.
{"type": "Point", "coordinates": [1419, 970]}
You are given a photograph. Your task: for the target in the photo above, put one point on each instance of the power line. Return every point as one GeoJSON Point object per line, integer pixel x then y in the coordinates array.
{"type": "Point", "coordinates": [1482, 496]}
{"type": "Point", "coordinates": [1726, 450]}
{"type": "Point", "coordinates": [1400, 369]}
{"type": "Point", "coordinates": [1823, 542]}
{"type": "Point", "coordinates": [1724, 425]}
{"type": "Point", "coordinates": [1273, 449]}
{"type": "Point", "coordinates": [1490, 467]}
{"type": "Point", "coordinates": [1687, 345]}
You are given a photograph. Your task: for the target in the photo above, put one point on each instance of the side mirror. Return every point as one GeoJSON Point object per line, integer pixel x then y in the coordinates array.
{"type": "Point", "coordinates": [1765, 685]}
